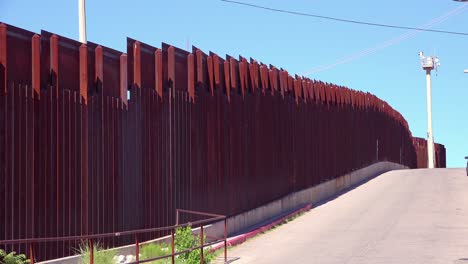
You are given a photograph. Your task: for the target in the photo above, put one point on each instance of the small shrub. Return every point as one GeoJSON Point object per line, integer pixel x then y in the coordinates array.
{"type": "Point", "coordinates": [101, 256]}
{"type": "Point", "coordinates": [154, 250]}
{"type": "Point", "coordinates": [184, 239]}
{"type": "Point", "coordinates": [12, 258]}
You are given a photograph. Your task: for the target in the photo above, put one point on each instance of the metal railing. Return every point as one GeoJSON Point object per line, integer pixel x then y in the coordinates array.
{"type": "Point", "coordinates": [91, 238]}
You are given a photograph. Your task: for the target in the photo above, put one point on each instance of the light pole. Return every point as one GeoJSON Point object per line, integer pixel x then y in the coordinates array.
{"type": "Point", "coordinates": [82, 20]}
{"type": "Point", "coordinates": [428, 64]}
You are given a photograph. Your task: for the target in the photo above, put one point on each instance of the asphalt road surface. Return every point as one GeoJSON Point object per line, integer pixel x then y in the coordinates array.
{"type": "Point", "coordinates": [408, 216]}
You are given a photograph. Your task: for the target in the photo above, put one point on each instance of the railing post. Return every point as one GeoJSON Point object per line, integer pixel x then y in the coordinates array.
{"type": "Point", "coordinates": [31, 253]}
{"type": "Point", "coordinates": [91, 251]}
{"type": "Point", "coordinates": [201, 244]}
{"type": "Point", "coordinates": [177, 217]}
{"type": "Point", "coordinates": [172, 244]}
{"type": "Point", "coordinates": [137, 249]}
{"type": "Point", "coordinates": [225, 240]}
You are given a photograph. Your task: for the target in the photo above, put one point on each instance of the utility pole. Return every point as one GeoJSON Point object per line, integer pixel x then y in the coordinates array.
{"type": "Point", "coordinates": [428, 64]}
{"type": "Point", "coordinates": [82, 20]}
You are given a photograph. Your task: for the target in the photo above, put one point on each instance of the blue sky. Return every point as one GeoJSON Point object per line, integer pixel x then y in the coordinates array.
{"type": "Point", "coordinates": [298, 44]}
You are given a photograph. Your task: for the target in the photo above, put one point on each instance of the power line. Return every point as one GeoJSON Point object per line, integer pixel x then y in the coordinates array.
{"type": "Point", "coordinates": [343, 20]}
{"type": "Point", "coordinates": [409, 34]}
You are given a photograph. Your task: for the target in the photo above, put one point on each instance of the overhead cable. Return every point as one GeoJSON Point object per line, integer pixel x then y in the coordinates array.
{"type": "Point", "coordinates": [344, 20]}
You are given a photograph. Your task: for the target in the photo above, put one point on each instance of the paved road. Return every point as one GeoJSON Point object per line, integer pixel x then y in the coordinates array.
{"type": "Point", "coordinates": [410, 216]}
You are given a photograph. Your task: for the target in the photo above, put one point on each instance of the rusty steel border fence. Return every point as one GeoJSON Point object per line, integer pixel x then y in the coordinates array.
{"type": "Point", "coordinates": [420, 145]}
{"type": "Point", "coordinates": [94, 140]}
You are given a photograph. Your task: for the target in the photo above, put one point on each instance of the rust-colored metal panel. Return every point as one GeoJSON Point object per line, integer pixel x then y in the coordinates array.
{"type": "Point", "coordinates": [171, 66]}
{"type": "Point", "coordinates": [273, 77]}
{"type": "Point", "coordinates": [283, 75]}
{"type": "Point", "coordinates": [123, 84]}
{"type": "Point", "coordinates": [63, 59]}
{"type": "Point", "coordinates": [310, 90]}
{"type": "Point", "coordinates": [316, 90]}
{"type": "Point", "coordinates": [98, 68]}
{"type": "Point", "coordinates": [209, 62]}
{"type": "Point", "coordinates": [137, 64]}
{"type": "Point", "coordinates": [144, 64]}
{"type": "Point", "coordinates": [305, 93]}
{"type": "Point", "coordinates": [254, 75]}
{"type": "Point", "coordinates": [54, 62]}
{"type": "Point", "coordinates": [36, 64]}
{"type": "Point", "coordinates": [264, 78]}
{"type": "Point", "coordinates": [15, 55]}
{"type": "Point", "coordinates": [234, 73]}
{"type": "Point", "coordinates": [158, 72]}
{"type": "Point", "coordinates": [243, 75]}
{"type": "Point", "coordinates": [84, 73]}
{"type": "Point", "coordinates": [227, 79]}
{"type": "Point", "coordinates": [111, 73]}
{"type": "Point", "coordinates": [216, 69]}
{"type": "Point", "coordinates": [191, 77]}
{"type": "Point", "coordinates": [290, 84]}
{"type": "Point", "coordinates": [297, 88]}
{"type": "Point", "coordinates": [200, 64]}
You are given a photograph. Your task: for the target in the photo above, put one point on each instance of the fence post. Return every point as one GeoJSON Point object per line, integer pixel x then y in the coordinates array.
{"type": "Point", "coordinates": [91, 251]}
{"type": "Point", "coordinates": [31, 253]}
{"type": "Point", "coordinates": [137, 249]}
{"type": "Point", "coordinates": [225, 240]}
{"type": "Point", "coordinates": [172, 242]}
{"type": "Point", "coordinates": [177, 217]}
{"type": "Point", "coordinates": [201, 244]}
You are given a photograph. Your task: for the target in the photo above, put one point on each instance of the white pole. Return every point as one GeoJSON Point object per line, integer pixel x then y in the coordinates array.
{"type": "Point", "coordinates": [430, 138]}
{"type": "Point", "coordinates": [82, 20]}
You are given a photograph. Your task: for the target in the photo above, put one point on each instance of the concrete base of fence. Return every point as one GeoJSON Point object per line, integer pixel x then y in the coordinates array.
{"type": "Point", "coordinates": [249, 220]}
